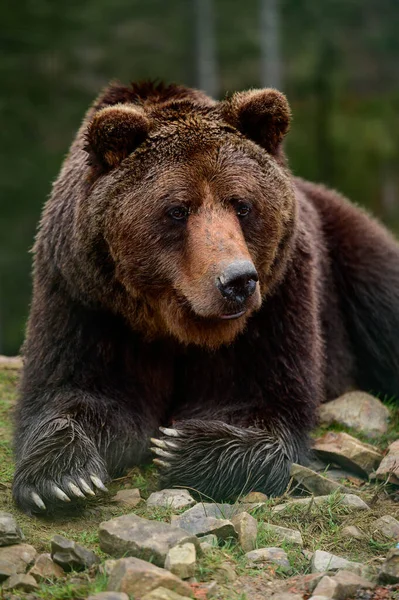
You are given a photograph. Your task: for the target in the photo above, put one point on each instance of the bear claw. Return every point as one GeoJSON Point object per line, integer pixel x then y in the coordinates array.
{"type": "Point", "coordinates": [38, 501]}
{"type": "Point", "coordinates": [85, 487]}
{"type": "Point", "coordinates": [161, 452]}
{"type": "Point", "coordinates": [161, 463]}
{"type": "Point", "coordinates": [75, 490]}
{"type": "Point", "coordinates": [60, 494]}
{"type": "Point", "coordinates": [169, 431]}
{"type": "Point", "coordinates": [98, 483]}
{"type": "Point", "coordinates": [165, 444]}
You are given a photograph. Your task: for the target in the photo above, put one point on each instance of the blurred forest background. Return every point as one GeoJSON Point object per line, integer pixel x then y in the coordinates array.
{"type": "Point", "coordinates": [337, 61]}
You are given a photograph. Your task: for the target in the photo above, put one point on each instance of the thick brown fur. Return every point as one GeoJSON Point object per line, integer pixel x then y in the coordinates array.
{"type": "Point", "coordinates": [183, 277]}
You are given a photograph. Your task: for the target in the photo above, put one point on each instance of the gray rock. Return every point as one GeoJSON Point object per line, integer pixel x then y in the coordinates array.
{"type": "Point", "coordinates": [327, 588]}
{"type": "Point", "coordinates": [353, 532]}
{"type": "Point", "coordinates": [349, 583]}
{"type": "Point", "coordinates": [164, 594]}
{"type": "Point", "coordinates": [106, 567]}
{"type": "Point", "coordinates": [314, 482]}
{"type": "Point", "coordinates": [131, 535]}
{"type": "Point", "coordinates": [6, 570]}
{"type": "Point", "coordinates": [175, 499]}
{"type": "Point", "coordinates": [225, 573]}
{"type": "Point", "coordinates": [21, 556]}
{"type": "Point", "coordinates": [247, 530]}
{"type": "Point", "coordinates": [109, 596]}
{"type": "Point", "coordinates": [286, 596]}
{"type": "Point", "coordinates": [284, 534]}
{"type": "Point", "coordinates": [24, 583]}
{"type": "Point", "coordinates": [388, 526]}
{"type": "Point", "coordinates": [275, 556]}
{"type": "Point", "coordinates": [46, 569]}
{"type": "Point", "coordinates": [130, 497]}
{"type": "Point", "coordinates": [348, 452]}
{"type": "Point", "coordinates": [208, 542]}
{"type": "Point", "coordinates": [390, 567]}
{"type": "Point", "coordinates": [254, 498]}
{"type": "Point", "coordinates": [70, 555]}
{"type": "Point", "coordinates": [204, 519]}
{"type": "Point", "coordinates": [10, 533]}
{"type": "Point", "coordinates": [388, 469]}
{"type": "Point", "coordinates": [181, 561]}
{"type": "Point", "coordinates": [137, 577]}
{"type": "Point", "coordinates": [357, 410]}
{"type": "Point", "coordinates": [324, 561]}
{"type": "Point", "coordinates": [350, 500]}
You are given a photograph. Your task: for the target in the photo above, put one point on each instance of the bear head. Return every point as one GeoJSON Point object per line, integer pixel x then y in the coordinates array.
{"type": "Point", "coordinates": [197, 207]}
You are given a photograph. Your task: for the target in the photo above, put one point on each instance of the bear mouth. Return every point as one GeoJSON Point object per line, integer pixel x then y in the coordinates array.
{"type": "Point", "coordinates": [236, 315]}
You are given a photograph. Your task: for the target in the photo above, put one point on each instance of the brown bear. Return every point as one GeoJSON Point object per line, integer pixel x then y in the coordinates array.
{"type": "Point", "coordinates": [185, 281]}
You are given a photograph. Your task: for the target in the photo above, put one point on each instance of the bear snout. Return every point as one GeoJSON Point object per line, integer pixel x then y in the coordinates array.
{"type": "Point", "coordinates": [237, 282]}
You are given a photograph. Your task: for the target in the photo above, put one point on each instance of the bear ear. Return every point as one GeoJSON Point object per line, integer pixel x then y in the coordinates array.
{"type": "Point", "coordinates": [261, 115]}
{"type": "Point", "coordinates": [114, 133]}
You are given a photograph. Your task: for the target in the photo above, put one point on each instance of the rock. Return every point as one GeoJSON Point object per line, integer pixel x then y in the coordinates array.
{"type": "Point", "coordinates": [225, 573]}
{"type": "Point", "coordinates": [389, 467]}
{"type": "Point", "coordinates": [254, 498]}
{"type": "Point", "coordinates": [284, 534]}
{"type": "Point", "coordinates": [388, 526]}
{"type": "Point", "coordinates": [304, 584]}
{"type": "Point", "coordinates": [314, 482]}
{"type": "Point", "coordinates": [207, 542]}
{"type": "Point", "coordinates": [109, 596]}
{"type": "Point", "coordinates": [327, 588]}
{"type": "Point", "coordinates": [275, 556]}
{"type": "Point", "coordinates": [203, 519]}
{"type": "Point", "coordinates": [6, 570]}
{"type": "Point", "coordinates": [45, 569]}
{"type": "Point", "coordinates": [348, 452]}
{"type": "Point", "coordinates": [390, 567]}
{"type": "Point", "coordinates": [324, 561]}
{"type": "Point", "coordinates": [21, 556]}
{"type": "Point", "coordinates": [357, 410]}
{"type": "Point", "coordinates": [70, 555]}
{"type": "Point", "coordinates": [130, 497]}
{"type": "Point", "coordinates": [286, 596]}
{"type": "Point", "coordinates": [10, 533]}
{"type": "Point", "coordinates": [247, 530]}
{"type": "Point", "coordinates": [24, 583]}
{"type": "Point", "coordinates": [137, 577]}
{"type": "Point", "coordinates": [131, 535]}
{"type": "Point", "coordinates": [353, 532]}
{"type": "Point", "coordinates": [164, 594]}
{"type": "Point", "coordinates": [181, 561]}
{"type": "Point", "coordinates": [106, 567]}
{"type": "Point", "coordinates": [349, 583]}
{"type": "Point", "coordinates": [350, 500]}
{"type": "Point", "coordinates": [175, 499]}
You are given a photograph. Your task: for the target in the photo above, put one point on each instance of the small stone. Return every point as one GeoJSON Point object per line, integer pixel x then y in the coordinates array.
{"type": "Point", "coordinates": [284, 534]}
{"type": "Point", "coordinates": [21, 556]}
{"type": "Point", "coordinates": [324, 561]}
{"type": "Point", "coordinates": [357, 410]}
{"type": "Point", "coordinates": [349, 583]}
{"type": "Point", "coordinates": [353, 532]}
{"type": "Point", "coordinates": [10, 533]}
{"type": "Point", "coordinates": [6, 570]}
{"type": "Point", "coordinates": [247, 530]}
{"type": "Point", "coordinates": [129, 497]}
{"type": "Point", "coordinates": [314, 482]}
{"type": "Point", "coordinates": [390, 567]}
{"type": "Point", "coordinates": [137, 577]}
{"type": "Point", "coordinates": [164, 594]}
{"type": "Point", "coordinates": [254, 498]}
{"type": "Point", "coordinates": [46, 569]}
{"type": "Point", "coordinates": [181, 561]}
{"type": "Point", "coordinates": [388, 526]}
{"type": "Point", "coordinates": [389, 467]}
{"type": "Point", "coordinates": [107, 566]}
{"type": "Point", "coordinates": [208, 543]}
{"type": "Point", "coordinates": [71, 556]}
{"type": "Point", "coordinates": [109, 596]}
{"type": "Point", "coordinates": [348, 452]}
{"type": "Point", "coordinates": [131, 535]}
{"type": "Point", "coordinates": [275, 556]}
{"type": "Point", "coordinates": [327, 588]}
{"type": "Point", "coordinates": [204, 518]}
{"type": "Point", "coordinates": [225, 573]}
{"type": "Point", "coordinates": [304, 584]}
{"type": "Point", "coordinates": [175, 499]}
{"type": "Point", "coordinates": [24, 583]}
{"type": "Point", "coordinates": [350, 500]}
{"type": "Point", "coordinates": [287, 596]}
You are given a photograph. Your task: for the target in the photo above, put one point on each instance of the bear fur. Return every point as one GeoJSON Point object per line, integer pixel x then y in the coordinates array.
{"type": "Point", "coordinates": [185, 280]}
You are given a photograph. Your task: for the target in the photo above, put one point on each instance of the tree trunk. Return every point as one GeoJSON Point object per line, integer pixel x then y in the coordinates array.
{"type": "Point", "coordinates": [206, 63]}
{"type": "Point", "coordinates": [271, 69]}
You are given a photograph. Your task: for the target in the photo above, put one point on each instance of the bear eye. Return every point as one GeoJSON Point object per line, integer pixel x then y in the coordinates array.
{"type": "Point", "coordinates": [179, 213]}
{"type": "Point", "coordinates": [243, 209]}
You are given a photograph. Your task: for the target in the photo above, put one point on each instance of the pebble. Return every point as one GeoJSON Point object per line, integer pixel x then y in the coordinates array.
{"type": "Point", "coordinates": [137, 577]}
{"type": "Point", "coordinates": [203, 519]}
{"type": "Point", "coordinates": [314, 482]}
{"type": "Point", "coordinates": [350, 500]}
{"type": "Point", "coordinates": [71, 556]}
{"type": "Point", "coordinates": [388, 526]}
{"type": "Point", "coordinates": [128, 497]}
{"type": "Point", "coordinates": [348, 452]}
{"type": "Point", "coordinates": [181, 561]}
{"type": "Point", "coordinates": [275, 556]}
{"type": "Point", "coordinates": [19, 581]}
{"type": "Point", "coordinates": [247, 530]}
{"type": "Point", "coordinates": [389, 572]}
{"type": "Point", "coordinates": [208, 542]}
{"type": "Point", "coordinates": [353, 532]}
{"type": "Point", "coordinates": [21, 556]}
{"type": "Point", "coordinates": [6, 569]}
{"type": "Point", "coordinates": [10, 532]}
{"type": "Point", "coordinates": [284, 534]}
{"type": "Point", "coordinates": [388, 470]}
{"type": "Point", "coordinates": [225, 573]}
{"type": "Point", "coordinates": [324, 561]}
{"type": "Point", "coordinates": [131, 535]}
{"type": "Point", "coordinates": [164, 594]}
{"type": "Point", "coordinates": [45, 568]}
{"type": "Point", "coordinates": [254, 498]}
{"type": "Point", "coordinates": [175, 499]}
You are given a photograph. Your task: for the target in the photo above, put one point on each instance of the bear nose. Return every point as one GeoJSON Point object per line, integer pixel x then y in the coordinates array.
{"type": "Point", "coordinates": [238, 281]}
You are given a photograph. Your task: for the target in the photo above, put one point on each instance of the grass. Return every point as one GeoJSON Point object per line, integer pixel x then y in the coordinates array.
{"type": "Point", "coordinates": [320, 527]}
